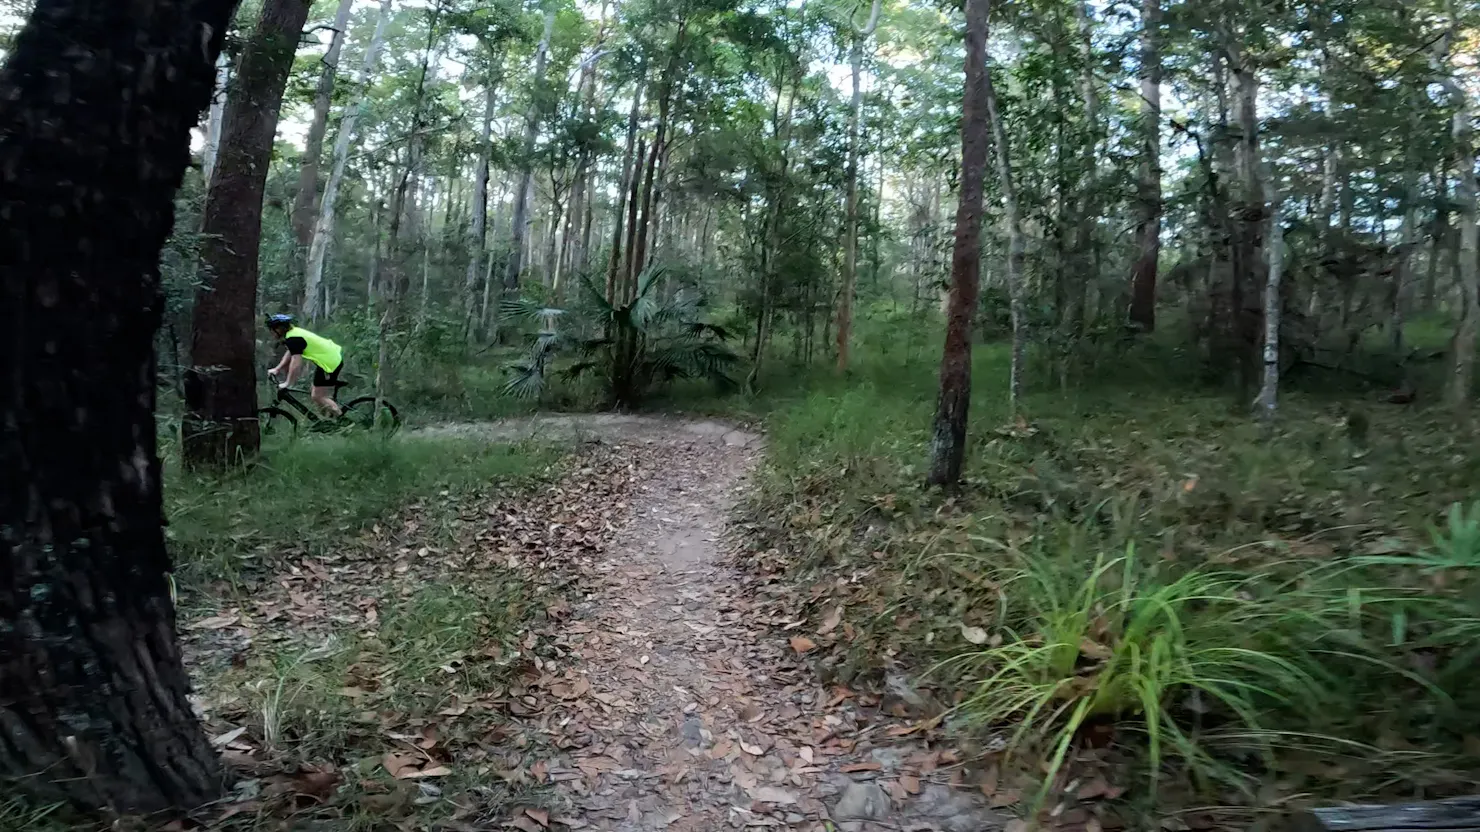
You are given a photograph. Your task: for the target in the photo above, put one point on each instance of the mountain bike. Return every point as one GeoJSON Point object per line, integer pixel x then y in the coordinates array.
{"type": "Point", "coordinates": [279, 420]}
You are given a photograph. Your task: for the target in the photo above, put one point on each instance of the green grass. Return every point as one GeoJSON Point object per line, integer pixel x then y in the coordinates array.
{"type": "Point", "coordinates": [1274, 571]}
{"type": "Point", "coordinates": [313, 493]}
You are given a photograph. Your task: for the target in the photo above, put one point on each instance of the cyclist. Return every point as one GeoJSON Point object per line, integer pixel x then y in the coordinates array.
{"type": "Point", "coordinates": [325, 356]}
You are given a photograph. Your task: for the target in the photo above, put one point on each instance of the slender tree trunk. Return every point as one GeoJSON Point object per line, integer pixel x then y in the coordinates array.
{"type": "Point", "coordinates": [649, 201]}
{"type": "Point", "coordinates": [323, 230]}
{"type": "Point", "coordinates": [1248, 278]}
{"type": "Point", "coordinates": [521, 221]}
{"type": "Point", "coordinates": [1148, 202]}
{"type": "Point", "coordinates": [1269, 390]}
{"type": "Point", "coordinates": [305, 202]}
{"type": "Point", "coordinates": [478, 230]}
{"type": "Point", "coordinates": [629, 162]}
{"type": "Point", "coordinates": [215, 115]}
{"type": "Point", "coordinates": [850, 233]}
{"type": "Point", "coordinates": [1440, 233]}
{"type": "Point", "coordinates": [220, 427]}
{"type": "Point", "coordinates": [948, 441]}
{"type": "Point", "coordinates": [1408, 248]}
{"type": "Point", "coordinates": [96, 99]}
{"type": "Point", "coordinates": [1461, 383]}
{"type": "Point", "coordinates": [1015, 244]}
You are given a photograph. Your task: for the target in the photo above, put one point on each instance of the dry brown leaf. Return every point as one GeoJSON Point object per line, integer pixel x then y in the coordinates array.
{"type": "Point", "coordinates": [802, 644]}
{"type": "Point", "coordinates": [988, 784]}
{"type": "Point", "coordinates": [524, 823]}
{"type": "Point", "coordinates": [772, 794]}
{"type": "Point", "coordinates": [752, 750]}
{"type": "Point", "coordinates": [215, 622]}
{"type": "Point", "coordinates": [226, 738]}
{"type": "Point", "coordinates": [1092, 649]}
{"type": "Point", "coordinates": [1005, 798]}
{"type": "Point", "coordinates": [974, 635]}
{"type": "Point", "coordinates": [910, 782]}
{"type": "Point", "coordinates": [856, 767]}
{"type": "Point", "coordinates": [434, 771]}
{"type": "Point", "coordinates": [540, 816]}
{"type": "Point", "coordinates": [832, 621]}
{"type": "Point", "coordinates": [540, 771]}
{"type": "Point", "coordinates": [397, 763]}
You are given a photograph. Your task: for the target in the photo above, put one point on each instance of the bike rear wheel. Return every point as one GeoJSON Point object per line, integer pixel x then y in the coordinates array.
{"type": "Point", "coordinates": [361, 413]}
{"type": "Point", "coordinates": [274, 421]}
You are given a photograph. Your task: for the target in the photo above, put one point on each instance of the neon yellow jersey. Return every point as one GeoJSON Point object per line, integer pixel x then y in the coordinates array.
{"type": "Point", "coordinates": [320, 350]}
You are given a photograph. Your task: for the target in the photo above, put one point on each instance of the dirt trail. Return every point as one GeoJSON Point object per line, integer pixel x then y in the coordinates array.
{"type": "Point", "coordinates": [682, 711]}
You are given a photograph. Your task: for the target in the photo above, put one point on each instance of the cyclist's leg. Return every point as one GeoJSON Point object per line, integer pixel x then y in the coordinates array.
{"type": "Point", "coordinates": [322, 391]}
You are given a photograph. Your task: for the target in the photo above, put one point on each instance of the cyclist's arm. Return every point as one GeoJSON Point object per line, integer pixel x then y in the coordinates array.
{"type": "Point", "coordinates": [282, 365]}
{"type": "Point", "coordinates": [295, 369]}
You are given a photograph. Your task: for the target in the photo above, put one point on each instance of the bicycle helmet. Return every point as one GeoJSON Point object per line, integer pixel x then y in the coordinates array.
{"type": "Point", "coordinates": [279, 320]}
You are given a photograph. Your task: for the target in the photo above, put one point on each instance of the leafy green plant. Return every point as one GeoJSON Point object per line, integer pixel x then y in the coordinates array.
{"type": "Point", "coordinates": [1122, 646]}
{"type": "Point", "coordinates": [637, 345]}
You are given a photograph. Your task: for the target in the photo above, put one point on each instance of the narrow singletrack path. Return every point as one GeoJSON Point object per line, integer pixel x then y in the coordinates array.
{"type": "Point", "coordinates": [675, 707]}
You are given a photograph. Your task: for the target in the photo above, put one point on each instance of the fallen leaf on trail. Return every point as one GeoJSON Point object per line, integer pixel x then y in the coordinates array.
{"type": "Point", "coordinates": [910, 782]}
{"type": "Point", "coordinates": [215, 622]}
{"type": "Point", "coordinates": [989, 782]}
{"type": "Point", "coordinates": [832, 621]}
{"type": "Point", "coordinates": [752, 750]}
{"type": "Point", "coordinates": [1099, 788]}
{"type": "Point", "coordinates": [974, 635]}
{"type": "Point", "coordinates": [434, 771]}
{"type": "Point", "coordinates": [1094, 650]}
{"type": "Point", "coordinates": [540, 770]}
{"type": "Point", "coordinates": [1003, 799]}
{"type": "Point", "coordinates": [227, 737]}
{"type": "Point", "coordinates": [456, 709]}
{"type": "Point", "coordinates": [523, 823]}
{"type": "Point", "coordinates": [772, 794]}
{"type": "Point", "coordinates": [540, 816]}
{"type": "Point", "coordinates": [802, 644]}
{"type": "Point", "coordinates": [855, 767]}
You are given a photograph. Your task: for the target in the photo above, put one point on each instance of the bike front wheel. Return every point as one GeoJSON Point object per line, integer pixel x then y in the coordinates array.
{"type": "Point", "coordinates": [361, 413]}
{"type": "Point", "coordinates": [274, 421]}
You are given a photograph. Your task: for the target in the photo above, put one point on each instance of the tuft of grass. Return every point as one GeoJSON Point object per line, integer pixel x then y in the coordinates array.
{"type": "Point", "coordinates": [1119, 644]}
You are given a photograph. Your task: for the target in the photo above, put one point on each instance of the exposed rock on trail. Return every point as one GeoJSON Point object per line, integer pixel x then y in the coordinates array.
{"type": "Point", "coordinates": [676, 709]}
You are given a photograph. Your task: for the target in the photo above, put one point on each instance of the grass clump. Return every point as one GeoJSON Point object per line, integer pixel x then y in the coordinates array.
{"type": "Point", "coordinates": [1123, 646]}
{"type": "Point", "coordinates": [310, 495]}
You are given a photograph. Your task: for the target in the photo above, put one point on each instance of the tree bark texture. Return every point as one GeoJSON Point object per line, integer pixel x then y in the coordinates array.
{"type": "Point", "coordinates": [850, 233]}
{"type": "Point", "coordinates": [1268, 402]}
{"type": "Point", "coordinates": [1016, 246]}
{"type": "Point", "coordinates": [220, 427]}
{"type": "Point", "coordinates": [1148, 201]}
{"type": "Point", "coordinates": [1462, 380]}
{"type": "Point", "coordinates": [519, 231]}
{"type": "Point", "coordinates": [213, 120]}
{"type": "Point", "coordinates": [306, 200]}
{"type": "Point", "coordinates": [478, 228]}
{"type": "Point", "coordinates": [948, 440]}
{"type": "Point", "coordinates": [323, 230]}
{"type": "Point", "coordinates": [97, 102]}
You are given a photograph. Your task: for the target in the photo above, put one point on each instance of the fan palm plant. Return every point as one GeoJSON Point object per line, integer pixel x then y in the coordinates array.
{"type": "Point", "coordinates": [635, 346]}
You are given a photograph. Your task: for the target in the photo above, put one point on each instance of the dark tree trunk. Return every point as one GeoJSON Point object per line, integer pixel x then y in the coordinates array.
{"type": "Point", "coordinates": [1148, 200]}
{"type": "Point", "coordinates": [948, 442]}
{"type": "Point", "coordinates": [98, 103]}
{"type": "Point", "coordinates": [220, 426]}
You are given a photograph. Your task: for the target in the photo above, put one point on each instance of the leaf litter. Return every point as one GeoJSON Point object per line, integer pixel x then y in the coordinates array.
{"type": "Point", "coordinates": [654, 690]}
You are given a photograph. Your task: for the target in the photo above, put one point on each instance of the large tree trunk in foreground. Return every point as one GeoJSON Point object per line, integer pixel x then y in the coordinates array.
{"type": "Point", "coordinates": [98, 103]}
{"type": "Point", "coordinates": [1148, 197]}
{"type": "Point", "coordinates": [213, 120]}
{"type": "Point", "coordinates": [323, 228]}
{"type": "Point", "coordinates": [948, 441]}
{"type": "Point", "coordinates": [220, 426]}
{"type": "Point", "coordinates": [306, 200]}
{"type": "Point", "coordinates": [850, 233]}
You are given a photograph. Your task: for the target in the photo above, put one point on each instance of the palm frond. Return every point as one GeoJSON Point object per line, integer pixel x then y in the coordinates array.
{"type": "Point", "coordinates": [528, 310]}
{"type": "Point", "coordinates": [579, 369]}
{"type": "Point", "coordinates": [528, 381]}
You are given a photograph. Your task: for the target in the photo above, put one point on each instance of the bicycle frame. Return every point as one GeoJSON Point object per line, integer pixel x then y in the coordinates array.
{"type": "Point", "coordinates": [285, 396]}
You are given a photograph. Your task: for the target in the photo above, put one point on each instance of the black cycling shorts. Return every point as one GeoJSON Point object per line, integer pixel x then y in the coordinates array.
{"type": "Point", "coordinates": [323, 379]}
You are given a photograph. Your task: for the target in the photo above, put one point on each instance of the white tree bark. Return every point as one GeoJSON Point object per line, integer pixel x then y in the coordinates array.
{"type": "Point", "coordinates": [523, 196]}
{"type": "Point", "coordinates": [1268, 401]}
{"type": "Point", "coordinates": [323, 229]}
{"type": "Point", "coordinates": [307, 198]}
{"type": "Point", "coordinates": [213, 121]}
{"type": "Point", "coordinates": [1015, 245]}
{"type": "Point", "coordinates": [850, 254]}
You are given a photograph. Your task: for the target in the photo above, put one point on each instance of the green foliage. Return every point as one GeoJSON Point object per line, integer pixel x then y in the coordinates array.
{"type": "Point", "coordinates": [635, 347]}
{"type": "Point", "coordinates": [309, 495]}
